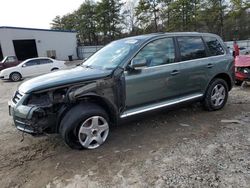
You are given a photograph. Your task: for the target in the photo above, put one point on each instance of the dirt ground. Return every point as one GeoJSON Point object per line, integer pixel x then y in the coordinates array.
{"type": "Point", "coordinates": [182, 147]}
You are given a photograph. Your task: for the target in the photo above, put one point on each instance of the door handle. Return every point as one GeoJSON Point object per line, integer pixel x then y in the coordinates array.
{"type": "Point", "coordinates": [174, 72]}
{"type": "Point", "coordinates": [210, 65]}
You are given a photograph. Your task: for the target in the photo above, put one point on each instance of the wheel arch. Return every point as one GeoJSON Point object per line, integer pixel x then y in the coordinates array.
{"type": "Point", "coordinates": [91, 98]}
{"type": "Point", "coordinates": [54, 68]}
{"type": "Point", "coordinates": [15, 72]}
{"type": "Point", "coordinates": [225, 77]}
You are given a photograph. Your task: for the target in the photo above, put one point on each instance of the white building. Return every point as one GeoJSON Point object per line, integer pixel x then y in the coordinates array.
{"type": "Point", "coordinates": [28, 42]}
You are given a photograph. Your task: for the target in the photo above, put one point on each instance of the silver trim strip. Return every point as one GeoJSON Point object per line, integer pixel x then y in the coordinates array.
{"type": "Point", "coordinates": [20, 122]}
{"type": "Point", "coordinates": [25, 130]}
{"type": "Point", "coordinates": [155, 106]}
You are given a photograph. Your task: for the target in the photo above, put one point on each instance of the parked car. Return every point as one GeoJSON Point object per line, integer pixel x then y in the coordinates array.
{"type": "Point", "coordinates": [244, 50]}
{"type": "Point", "coordinates": [9, 61]}
{"type": "Point", "coordinates": [242, 69]}
{"type": "Point", "coordinates": [32, 67]}
{"type": "Point", "coordinates": [127, 77]}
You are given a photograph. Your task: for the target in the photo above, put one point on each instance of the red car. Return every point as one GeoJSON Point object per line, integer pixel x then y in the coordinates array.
{"type": "Point", "coordinates": [9, 61]}
{"type": "Point", "coordinates": [242, 69]}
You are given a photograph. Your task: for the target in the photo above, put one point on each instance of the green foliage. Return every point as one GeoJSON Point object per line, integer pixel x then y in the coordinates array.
{"type": "Point", "coordinates": [99, 22]}
{"type": "Point", "coordinates": [147, 13]}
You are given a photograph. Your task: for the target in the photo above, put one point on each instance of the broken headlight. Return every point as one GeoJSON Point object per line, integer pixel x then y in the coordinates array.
{"type": "Point", "coordinates": [59, 96]}
{"type": "Point", "coordinates": [47, 99]}
{"type": "Point", "coordinates": [246, 71]}
{"type": "Point", "coordinates": [40, 99]}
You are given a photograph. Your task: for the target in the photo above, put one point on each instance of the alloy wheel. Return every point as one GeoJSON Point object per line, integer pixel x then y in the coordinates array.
{"type": "Point", "coordinates": [218, 95]}
{"type": "Point", "coordinates": [93, 132]}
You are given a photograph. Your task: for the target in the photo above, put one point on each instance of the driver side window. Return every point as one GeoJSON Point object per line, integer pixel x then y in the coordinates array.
{"type": "Point", "coordinates": [158, 52]}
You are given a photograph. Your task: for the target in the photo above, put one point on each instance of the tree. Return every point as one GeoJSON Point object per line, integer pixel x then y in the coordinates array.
{"type": "Point", "coordinates": [109, 19]}
{"type": "Point", "coordinates": [147, 13]}
{"type": "Point", "coordinates": [129, 17]}
{"type": "Point", "coordinates": [99, 22]}
{"type": "Point", "coordinates": [56, 23]}
{"type": "Point", "coordinates": [86, 23]}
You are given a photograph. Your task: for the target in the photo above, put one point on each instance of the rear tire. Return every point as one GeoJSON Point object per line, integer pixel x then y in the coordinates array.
{"type": "Point", "coordinates": [15, 76]}
{"type": "Point", "coordinates": [216, 95]}
{"type": "Point", "coordinates": [85, 126]}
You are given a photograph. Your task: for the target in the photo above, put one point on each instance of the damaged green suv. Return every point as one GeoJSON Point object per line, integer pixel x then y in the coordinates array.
{"type": "Point", "coordinates": [125, 78]}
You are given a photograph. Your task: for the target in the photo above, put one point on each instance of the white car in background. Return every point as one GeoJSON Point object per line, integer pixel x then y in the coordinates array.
{"type": "Point", "coordinates": [32, 67]}
{"type": "Point", "coordinates": [244, 50]}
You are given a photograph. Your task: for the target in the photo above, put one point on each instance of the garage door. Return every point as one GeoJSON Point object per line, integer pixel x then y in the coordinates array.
{"type": "Point", "coordinates": [25, 49]}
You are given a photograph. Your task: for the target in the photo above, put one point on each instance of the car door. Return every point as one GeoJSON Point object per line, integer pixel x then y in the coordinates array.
{"type": "Point", "coordinates": [30, 68]}
{"type": "Point", "coordinates": [158, 79]}
{"type": "Point", "coordinates": [218, 60]}
{"type": "Point", "coordinates": [193, 65]}
{"type": "Point", "coordinates": [45, 65]}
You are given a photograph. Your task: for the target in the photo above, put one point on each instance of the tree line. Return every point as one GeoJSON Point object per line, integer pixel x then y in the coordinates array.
{"type": "Point", "coordinates": [106, 20]}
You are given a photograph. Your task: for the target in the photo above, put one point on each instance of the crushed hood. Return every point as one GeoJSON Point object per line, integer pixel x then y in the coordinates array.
{"type": "Point", "coordinates": [63, 77]}
{"type": "Point", "coordinates": [242, 61]}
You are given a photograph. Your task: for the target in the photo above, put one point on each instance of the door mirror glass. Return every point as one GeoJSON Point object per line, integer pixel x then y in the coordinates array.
{"type": "Point", "coordinates": [138, 63]}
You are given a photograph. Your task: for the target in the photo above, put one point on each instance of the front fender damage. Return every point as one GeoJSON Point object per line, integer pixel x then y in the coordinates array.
{"type": "Point", "coordinates": [43, 116]}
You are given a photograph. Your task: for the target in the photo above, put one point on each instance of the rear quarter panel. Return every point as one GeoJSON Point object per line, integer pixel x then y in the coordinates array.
{"type": "Point", "coordinates": [223, 64]}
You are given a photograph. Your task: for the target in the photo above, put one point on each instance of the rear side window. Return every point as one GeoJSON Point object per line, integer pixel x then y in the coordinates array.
{"type": "Point", "coordinates": [191, 48]}
{"type": "Point", "coordinates": [45, 61]}
{"type": "Point", "coordinates": [214, 46]}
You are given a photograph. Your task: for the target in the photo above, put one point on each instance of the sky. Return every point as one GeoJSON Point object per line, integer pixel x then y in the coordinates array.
{"type": "Point", "coordinates": [34, 13]}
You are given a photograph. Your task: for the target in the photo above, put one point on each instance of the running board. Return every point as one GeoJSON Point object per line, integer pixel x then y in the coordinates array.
{"type": "Point", "coordinates": [158, 105]}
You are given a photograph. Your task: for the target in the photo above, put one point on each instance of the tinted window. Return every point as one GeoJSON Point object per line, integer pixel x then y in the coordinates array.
{"type": "Point", "coordinates": [31, 63]}
{"type": "Point", "coordinates": [191, 48]}
{"type": "Point", "coordinates": [45, 61]}
{"type": "Point", "coordinates": [158, 52]}
{"type": "Point", "coordinates": [214, 46]}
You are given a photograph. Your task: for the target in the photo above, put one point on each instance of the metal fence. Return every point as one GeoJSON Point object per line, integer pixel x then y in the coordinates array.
{"type": "Point", "coordinates": [241, 43]}
{"type": "Point", "coordinates": [84, 52]}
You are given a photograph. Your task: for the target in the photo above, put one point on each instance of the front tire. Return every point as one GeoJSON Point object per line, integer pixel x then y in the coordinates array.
{"type": "Point", "coordinates": [15, 76]}
{"type": "Point", "coordinates": [85, 126]}
{"type": "Point", "coordinates": [216, 95]}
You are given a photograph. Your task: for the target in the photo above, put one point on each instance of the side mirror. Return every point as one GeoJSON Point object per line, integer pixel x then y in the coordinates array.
{"type": "Point", "coordinates": [138, 63]}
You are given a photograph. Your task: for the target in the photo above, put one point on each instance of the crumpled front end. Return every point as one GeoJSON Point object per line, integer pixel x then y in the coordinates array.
{"type": "Point", "coordinates": [242, 68]}
{"type": "Point", "coordinates": [242, 73]}
{"type": "Point", "coordinates": [31, 118]}
{"type": "Point", "coordinates": [41, 111]}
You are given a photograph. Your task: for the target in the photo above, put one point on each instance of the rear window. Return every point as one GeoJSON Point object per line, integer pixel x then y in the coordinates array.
{"type": "Point", "coordinates": [191, 48]}
{"type": "Point", "coordinates": [214, 46]}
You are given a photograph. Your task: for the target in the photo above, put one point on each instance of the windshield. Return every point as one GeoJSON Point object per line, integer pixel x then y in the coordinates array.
{"type": "Point", "coordinates": [111, 55]}
{"type": "Point", "coordinates": [3, 59]}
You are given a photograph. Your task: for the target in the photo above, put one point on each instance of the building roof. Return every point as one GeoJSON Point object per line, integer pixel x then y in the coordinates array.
{"type": "Point", "coordinates": [35, 29]}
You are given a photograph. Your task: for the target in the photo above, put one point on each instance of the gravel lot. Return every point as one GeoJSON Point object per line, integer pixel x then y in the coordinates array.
{"type": "Point", "coordinates": [182, 147]}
